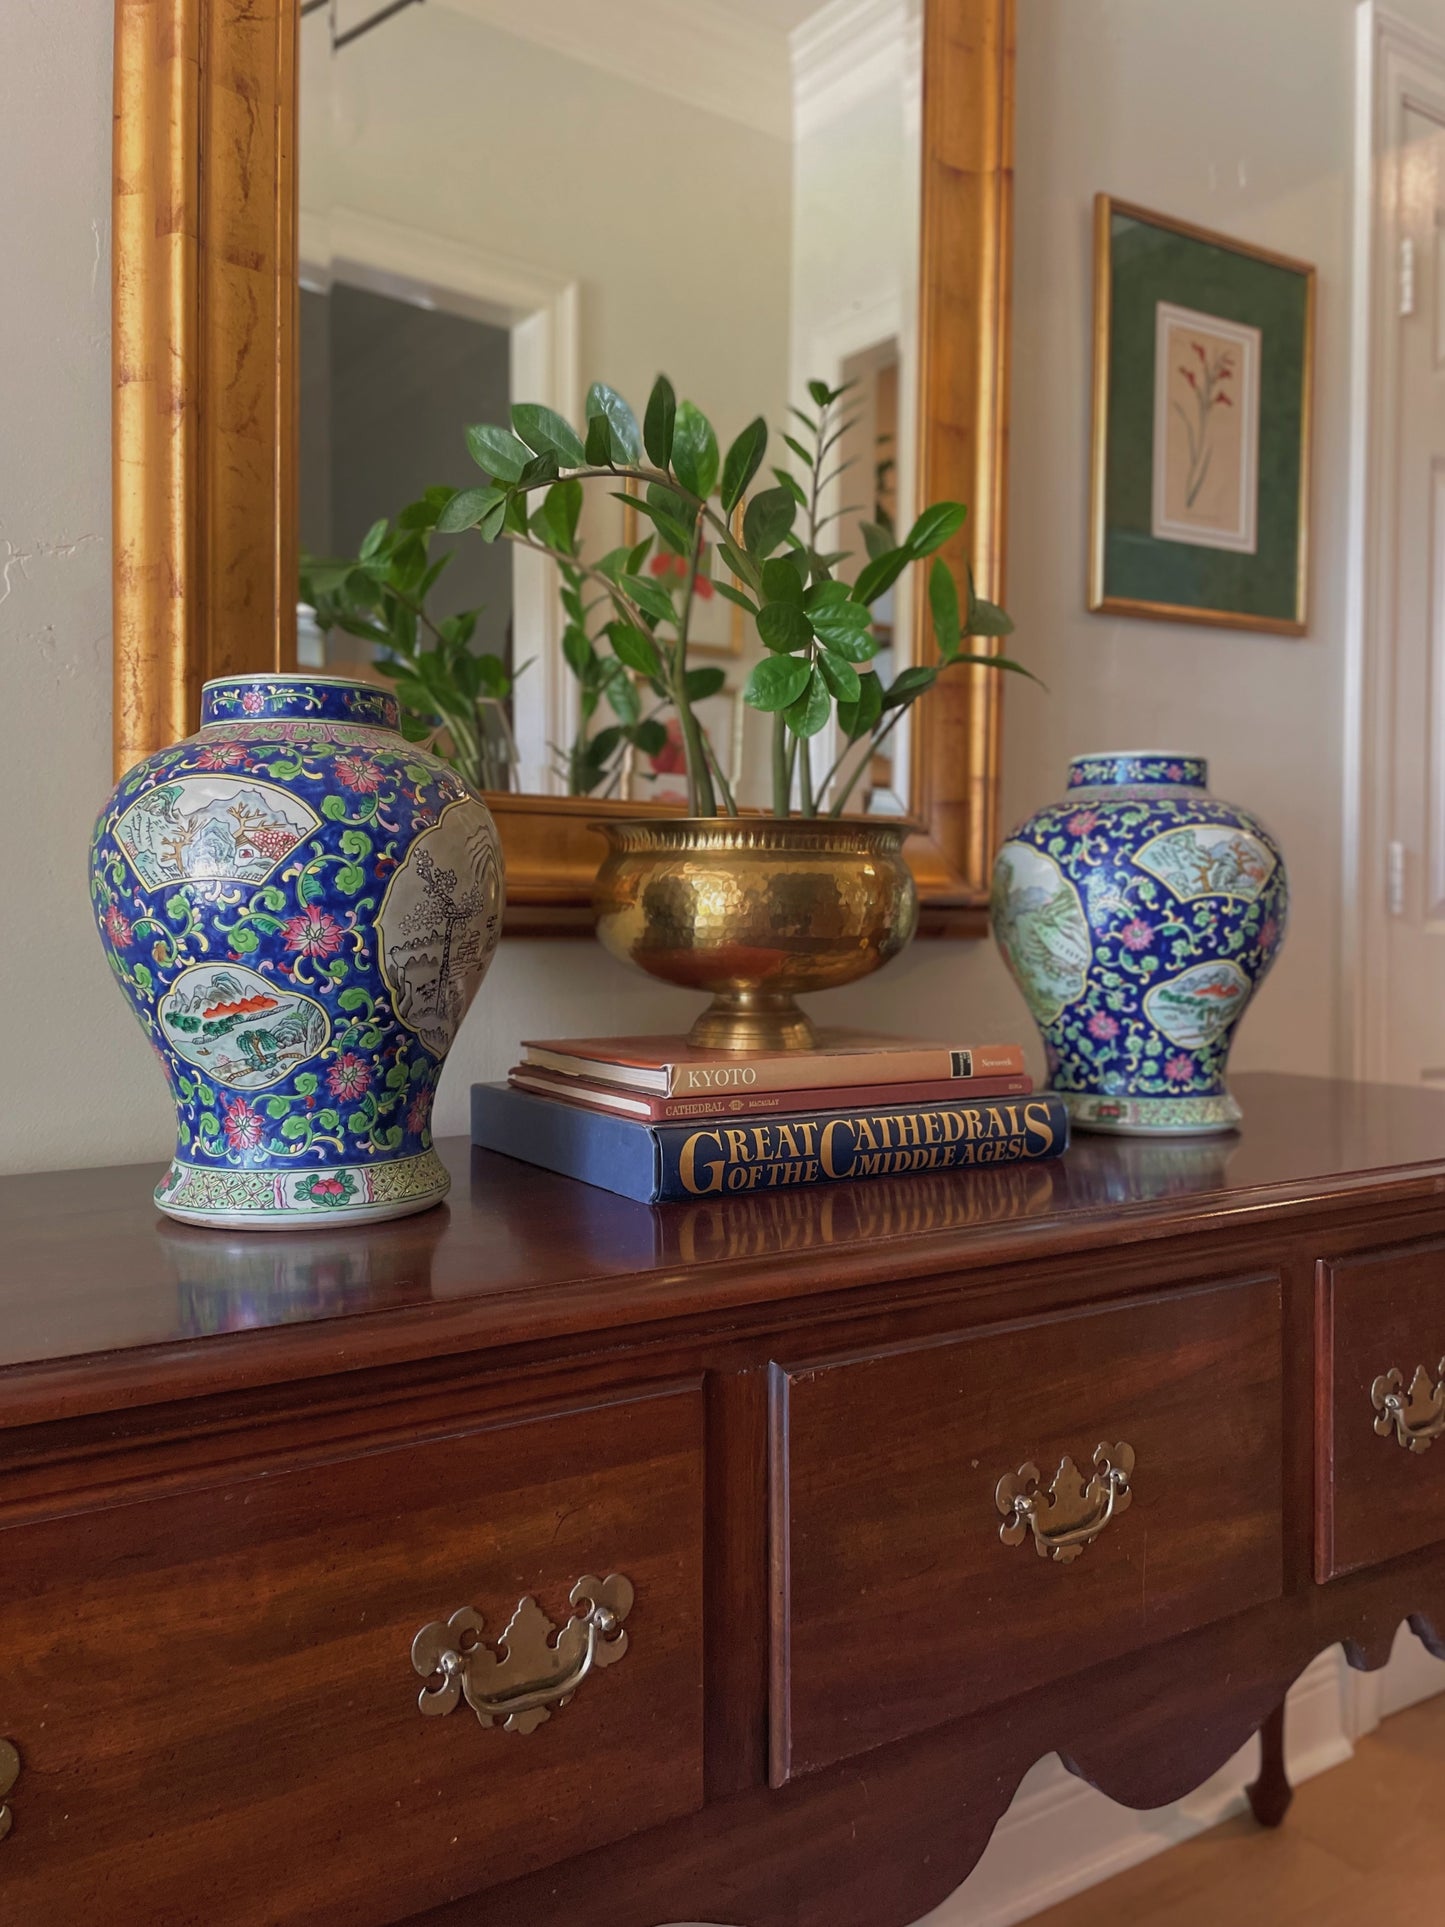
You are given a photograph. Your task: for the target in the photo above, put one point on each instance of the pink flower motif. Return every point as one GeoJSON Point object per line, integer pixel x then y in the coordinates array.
{"type": "Point", "coordinates": [1269, 933]}
{"type": "Point", "coordinates": [1082, 821]}
{"type": "Point", "coordinates": [326, 1188]}
{"type": "Point", "coordinates": [1136, 934]}
{"type": "Point", "coordinates": [221, 756]}
{"type": "Point", "coordinates": [117, 927]}
{"type": "Point", "coordinates": [1179, 1069]}
{"type": "Point", "coordinates": [253, 702]}
{"type": "Point", "coordinates": [1174, 772]}
{"type": "Point", "coordinates": [314, 934]}
{"type": "Point", "coordinates": [1102, 1025]}
{"type": "Point", "coordinates": [418, 1113]}
{"type": "Point", "coordinates": [242, 1125]}
{"type": "Point", "coordinates": [349, 1077]}
{"type": "Point", "coordinates": [358, 773]}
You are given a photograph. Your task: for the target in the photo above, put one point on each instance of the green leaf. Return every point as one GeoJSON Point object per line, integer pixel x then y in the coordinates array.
{"type": "Point", "coordinates": [781, 581]}
{"type": "Point", "coordinates": [468, 508]}
{"type": "Point", "coordinates": [694, 451]}
{"type": "Point", "coordinates": [783, 626]}
{"type": "Point", "coordinates": [880, 575]}
{"type": "Point", "coordinates": [560, 511]}
{"type": "Point", "coordinates": [731, 594]}
{"type": "Point", "coordinates": [544, 430]}
{"type": "Point", "coordinates": [743, 461]}
{"type": "Point", "coordinates": [242, 939]}
{"type": "Point", "coordinates": [934, 527]}
{"type": "Point", "coordinates": [277, 1106]}
{"type": "Point", "coordinates": [861, 718]}
{"type": "Point", "coordinates": [804, 455]}
{"type": "Point", "coordinates": [497, 451]}
{"type": "Point", "coordinates": [541, 468]}
{"type": "Point", "coordinates": [766, 520]}
{"type": "Point", "coordinates": [838, 621]}
{"type": "Point", "coordinates": [306, 1084]}
{"type": "Point", "coordinates": [371, 542]}
{"type": "Point", "coordinates": [909, 684]}
{"type": "Point", "coordinates": [776, 682]}
{"type": "Point", "coordinates": [622, 695]}
{"type": "Point", "coordinates": [1005, 663]}
{"type": "Point", "coordinates": [742, 566]}
{"type": "Point", "coordinates": [650, 737]}
{"type": "Point", "coordinates": [943, 604]}
{"type": "Point", "coordinates": [634, 647]}
{"type": "Point", "coordinates": [987, 619]}
{"type": "Point", "coordinates": [650, 597]}
{"type": "Point", "coordinates": [790, 483]}
{"type": "Point", "coordinates": [841, 677]}
{"type": "Point", "coordinates": [878, 538]}
{"type": "Point", "coordinates": [622, 423]}
{"type": "Point", "coordinates": [659, 422]}
{"type": "Point", "coordinates": [577, 650]}
{"type": "Point", "coordinates": [807, 715]}
{"type": "Point", "coordinates": [699, 684]}
{"type": "Point", "coordinates": [295, 1127]}
{"type": "Point", "coordinates": [351, 879]}
{"type": "Point", "coordinates": [598, 447]}
{"type": "Point", "coordinates": [821, 393]}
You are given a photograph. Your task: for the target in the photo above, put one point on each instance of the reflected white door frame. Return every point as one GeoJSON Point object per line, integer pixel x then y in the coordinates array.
{"type": "Point", "coordinates": [540, 313]}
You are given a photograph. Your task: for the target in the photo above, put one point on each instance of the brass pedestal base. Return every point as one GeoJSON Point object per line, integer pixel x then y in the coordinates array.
{"type": "Point", "coordinates": [748, 1019]}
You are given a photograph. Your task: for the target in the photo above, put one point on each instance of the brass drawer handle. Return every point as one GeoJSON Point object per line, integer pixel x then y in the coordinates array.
{"type": "Point", "coordinates": [9, 1774]}
{"type": "Point", "coordinates": [1416, 1416]}
{"type": "Point", "coordinates": [537, 1672]}
{"type": "Point", "coordinates": [1073, 1512]}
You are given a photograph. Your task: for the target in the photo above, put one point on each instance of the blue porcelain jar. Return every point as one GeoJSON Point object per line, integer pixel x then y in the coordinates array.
{"type": "Point", "coordinates": [1138, 918]}
{"type": "Point", "coordinates": [300, 906]}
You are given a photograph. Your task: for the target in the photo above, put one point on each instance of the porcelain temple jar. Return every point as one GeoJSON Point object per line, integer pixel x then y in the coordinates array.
{"type": "Point", "coordinates": [300, 906]}
{"type": "Point", "coordinates": [1138, 916]}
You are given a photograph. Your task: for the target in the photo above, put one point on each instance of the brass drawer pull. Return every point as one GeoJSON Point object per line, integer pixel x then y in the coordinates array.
{"type": "Point", "coordinates": [1417, 1416]}
{"type": "Point", "coordinates": [1074, 1512]}
{"type": "Point", "coordinates": [9, 1774]}
{"type": "Point", "coordinates": [537, 1672]}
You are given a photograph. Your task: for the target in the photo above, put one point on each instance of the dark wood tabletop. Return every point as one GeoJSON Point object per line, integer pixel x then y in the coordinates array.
{"type": "Point", "coordinates": [90, 1270]}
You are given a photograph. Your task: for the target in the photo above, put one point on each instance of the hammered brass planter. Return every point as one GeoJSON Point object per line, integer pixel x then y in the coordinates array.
{"type": "Point", "coordinates": [755, 910]}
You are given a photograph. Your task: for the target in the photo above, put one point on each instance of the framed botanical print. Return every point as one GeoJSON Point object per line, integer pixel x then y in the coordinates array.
{"type": "Point", "coordinates": [1203, 349]}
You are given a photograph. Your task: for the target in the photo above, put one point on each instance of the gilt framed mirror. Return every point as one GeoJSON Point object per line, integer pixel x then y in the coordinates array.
{"type": "Point", "coordinates": [346, 229]}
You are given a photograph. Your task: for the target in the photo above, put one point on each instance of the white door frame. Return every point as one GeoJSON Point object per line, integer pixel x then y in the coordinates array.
{"type": "Point", "coordinates": [541, 313]}
{"type": "Point", "coordinates": [1398, 67]}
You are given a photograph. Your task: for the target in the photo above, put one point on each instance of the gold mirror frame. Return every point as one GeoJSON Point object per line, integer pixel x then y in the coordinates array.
{"type": "Point", "coordinates": [205, 419]}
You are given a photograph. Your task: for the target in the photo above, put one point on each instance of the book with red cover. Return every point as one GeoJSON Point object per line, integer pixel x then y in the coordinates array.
{"type": "Point", "coordinates": [748, 1103]}
{"type": "Point", "coordinates": [843, 1059]}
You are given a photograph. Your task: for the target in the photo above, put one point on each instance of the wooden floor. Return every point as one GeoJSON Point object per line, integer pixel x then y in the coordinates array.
{"type": "Point", "coordinates": [1362, 1844]}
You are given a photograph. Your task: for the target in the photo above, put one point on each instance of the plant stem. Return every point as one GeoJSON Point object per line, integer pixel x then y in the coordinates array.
{"type": "Point", "coordinates": [782, 778]}
{"type": "Point", "coordinates": [701, 797]}
{"type": "Point", "coordinates": [875, 743]}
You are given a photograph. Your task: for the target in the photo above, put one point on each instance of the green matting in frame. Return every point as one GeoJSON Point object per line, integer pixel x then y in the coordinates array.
{"type": "Point", "coordinates": [1202, 369]}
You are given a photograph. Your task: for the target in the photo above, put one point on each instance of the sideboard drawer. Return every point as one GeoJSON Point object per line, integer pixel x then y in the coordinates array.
{"type": "Point", "coordinates": [215, 1705]}
{"type": "Point", "coordinates": [1381, 1404]}
{"type": "Point", "coordinates": [911, 1588]}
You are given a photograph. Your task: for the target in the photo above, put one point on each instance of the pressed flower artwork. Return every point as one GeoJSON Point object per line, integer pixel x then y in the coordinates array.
{"type": "Point", "coordinates": [1202, 353]}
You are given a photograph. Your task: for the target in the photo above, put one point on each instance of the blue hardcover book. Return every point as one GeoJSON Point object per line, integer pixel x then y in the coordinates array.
{"type": "Point", "coordinates": [673, 1163]}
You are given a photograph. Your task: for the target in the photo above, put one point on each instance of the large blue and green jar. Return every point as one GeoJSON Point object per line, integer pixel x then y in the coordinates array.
{"type": "Point", "coordinates": [300, 906]}
{"type": "Point", "coordinates": [1138, 917]}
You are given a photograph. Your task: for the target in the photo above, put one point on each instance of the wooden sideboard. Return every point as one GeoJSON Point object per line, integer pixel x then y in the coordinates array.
{"type": "Point", "coordinates": [904, 1485]}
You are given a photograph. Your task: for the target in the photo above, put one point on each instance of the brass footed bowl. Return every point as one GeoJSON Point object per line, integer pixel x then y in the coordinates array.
{"type": "Point", "coordinates": [755, 909]}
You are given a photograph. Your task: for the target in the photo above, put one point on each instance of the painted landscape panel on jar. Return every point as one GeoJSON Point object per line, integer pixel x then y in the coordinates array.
{"type": "Point", "coordinates": [439, 924]}
{"type": "Point", "coordinates": [204, 829]}
{"type": "Point", "coordinates": [1041, 928]}
{"type": "Point", "coordinates": [1197, 1007]}
{"type": "Point", "coordinates": [239, 1028]}
{"type": "Point", "coordinates": [1209, 860]}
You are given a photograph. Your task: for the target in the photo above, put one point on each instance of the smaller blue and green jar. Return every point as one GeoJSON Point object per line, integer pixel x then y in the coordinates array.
{"type": "Point", "coordinates": [1138, 917]}
{"type": "Point", "coordinates": [299, 905]}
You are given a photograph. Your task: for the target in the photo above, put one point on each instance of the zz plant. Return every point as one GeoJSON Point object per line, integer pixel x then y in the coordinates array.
{"type": "Point", "coordinates": [814, 623]}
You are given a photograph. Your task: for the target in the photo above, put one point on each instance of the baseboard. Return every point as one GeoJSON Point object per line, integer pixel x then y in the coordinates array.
{"type": "Point", "coordinates": [1060, 1836]}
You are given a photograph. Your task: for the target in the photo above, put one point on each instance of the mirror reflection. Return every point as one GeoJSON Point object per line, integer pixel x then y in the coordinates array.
{"type": "Point", "coordinates": [504, 203]}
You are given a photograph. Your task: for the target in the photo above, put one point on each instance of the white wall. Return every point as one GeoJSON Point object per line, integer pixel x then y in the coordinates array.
{"type": "Point", "coordinates": [1246, 127]}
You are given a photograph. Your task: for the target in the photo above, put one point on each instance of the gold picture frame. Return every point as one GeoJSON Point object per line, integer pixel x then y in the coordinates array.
{"type": "Point", "coordinates": [1261, 540]}
{"type": "Point", "coordinates": [204, 280]}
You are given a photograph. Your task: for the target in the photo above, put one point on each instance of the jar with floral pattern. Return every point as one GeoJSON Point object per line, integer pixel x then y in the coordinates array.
{"type": "Point", "coordinates": [299, 905]}
{"type": "Point", "coordinates": [1138, 917]}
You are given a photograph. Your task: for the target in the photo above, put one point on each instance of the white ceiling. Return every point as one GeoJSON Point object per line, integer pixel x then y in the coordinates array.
{"type": "Point", "coordinates": [776, 16]}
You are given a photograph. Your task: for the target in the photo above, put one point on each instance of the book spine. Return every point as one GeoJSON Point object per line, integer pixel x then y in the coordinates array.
{"type": "Point", "coordinates": [733, 1104]}
{"type": "Point", "coordinates": [844, 1070]}
{"type": "Point", "coordinates": [700, 1160]}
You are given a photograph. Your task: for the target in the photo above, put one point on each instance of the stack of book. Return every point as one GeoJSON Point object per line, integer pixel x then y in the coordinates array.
{"type": "Point", "coordinates": [657, 1120]}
